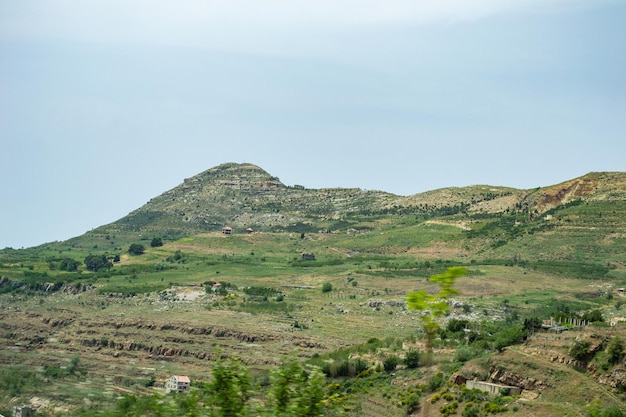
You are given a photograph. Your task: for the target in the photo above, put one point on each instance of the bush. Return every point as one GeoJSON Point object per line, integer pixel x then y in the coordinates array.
{"type": "Point", "coordinates": [97, 263]}
{"type": "Point", "coordinates": [390, 363]}
{"type": "Point", "coordinates": [508, 336]}
{"type": "Point", "coordinates": [411, 403]}
{"type": "Point", "coordinates": [436, 382]}
{"type": "Point", "coordinates": [327, 287]}
{"type": "Point", "coordinates": [615, 350]}
{"type": "Point", "coordinates": [136, 249]}
{"type": "Point", "coordinates": [593, 316]}
{"type": "Point", "coordinates": [580, 350]}
{"type": "Point", "coordinates": [472, 411]}
{"type": "Point", "coordinates": [412, 359]}
{"type": "Point", "coordinates": [156, 242]}
{"type": "Point", "coordinates": [464, 354]}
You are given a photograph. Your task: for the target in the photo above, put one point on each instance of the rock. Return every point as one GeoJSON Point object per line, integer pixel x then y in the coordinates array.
{"type": "Point", "coordinates": [458, 379]}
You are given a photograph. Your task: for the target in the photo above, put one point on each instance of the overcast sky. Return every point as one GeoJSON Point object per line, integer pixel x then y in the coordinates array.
{"type": "Point", "coordinates": [105, 104]}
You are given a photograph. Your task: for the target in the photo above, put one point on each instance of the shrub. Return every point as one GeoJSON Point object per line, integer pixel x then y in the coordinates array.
{"type": "Point", "coordinates": [359, 365]}
{"type": "Point", "coordinates": [411, 403]}
{"type": "Point", "coordinates": [390, 363]}
{"type": "Point", "coordinates": [436, 382]}
{"type": "Point", "coordinates": [412, 359]}
{"type": "Point", "coordinates": [471, 411]}
{"type": "Point", "coordinates": [508, 336]}
{"type": "Point", "coordinates": [327, 287]}
{"type": "Point", "coordinates": [97, 263]}
{"type": "Point", "coordinates": [615, 350]}
{"type": "Point", "coordinates": [580, 349]}
{"type": "Point", "coordinates": [464, 354]}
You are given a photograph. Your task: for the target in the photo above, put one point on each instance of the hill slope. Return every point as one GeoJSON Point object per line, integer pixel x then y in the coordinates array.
{"type": "Point", "coordinates": [244, 195]}
{"type": "Point", "coordinates": [135, 322]}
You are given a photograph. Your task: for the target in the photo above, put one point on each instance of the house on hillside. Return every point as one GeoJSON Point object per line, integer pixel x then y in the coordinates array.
{"type": "Point", "coordinates": [178, 383]}
{"type": "Point", "coordinates": [227, 230]}
{"type": "Point", "coordinates": [249, 230]}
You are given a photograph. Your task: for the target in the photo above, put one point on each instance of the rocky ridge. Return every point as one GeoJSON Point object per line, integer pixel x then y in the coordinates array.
{"type": "Point", "coordinates": [244, 195]}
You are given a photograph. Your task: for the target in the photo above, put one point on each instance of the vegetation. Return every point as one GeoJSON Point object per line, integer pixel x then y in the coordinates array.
{"type": "Point", "coordinates": [435, 305]}
{"type": "Point", "coordinates": [97, 263]}
{"type": "Point", "coordinates": [293, 390]}
{"type": "Point", "coordinates": [195, 297]}
{"type": "Point", "coordinates": [136, 249]}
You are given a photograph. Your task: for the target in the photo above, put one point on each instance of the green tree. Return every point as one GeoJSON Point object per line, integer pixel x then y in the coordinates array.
{"type": "Point", "coordinates": [615, 350]}
{"type": "Point", "coordinates": [390, 363]}
{"type": "Point", "coordinates": [580, 349]}
{"type": "Point", "coordinates": [296, 391]}
{"type": "Point", "coordinates": [73, 366]}
{"type": "Point", "coordinates": [230, 389]}
{"type": "Point", "coordinates": [327, 287]}
{"type": "Point", "coordinates": [136, 249]}
{"type": "Point", "coordinates": [507, 336]}
{"type": "Point", "coordinates": [97, 263]}
{"type": "Point", "coordinates": [532, 324]}
{"type": "Point", "coordinates": [156, 242]}
{"type": "Point", "coordinates": [436, 305]}
{"type": "Point", "coordinates": [593, 316]}
{"type": "Point", "coordinates": [68, 264]}
{"type": "Point", "coordinates": [412, 359]}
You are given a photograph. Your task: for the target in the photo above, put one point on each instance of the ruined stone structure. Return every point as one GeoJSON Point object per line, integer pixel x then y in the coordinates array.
{"type": "Point", "coordinates": [493, 389]}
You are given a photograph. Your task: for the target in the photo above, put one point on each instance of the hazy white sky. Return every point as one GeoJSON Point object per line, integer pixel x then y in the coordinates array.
{"type": "Point", "coordinates": [106, 104]}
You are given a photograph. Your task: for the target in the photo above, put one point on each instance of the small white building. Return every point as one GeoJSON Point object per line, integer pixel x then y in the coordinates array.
{"type": "Point", "coordinates": [178, 383]}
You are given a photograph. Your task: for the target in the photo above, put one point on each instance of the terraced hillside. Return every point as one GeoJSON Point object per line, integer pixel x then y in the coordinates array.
{"type": "Point", "coordinates": [74, 338]}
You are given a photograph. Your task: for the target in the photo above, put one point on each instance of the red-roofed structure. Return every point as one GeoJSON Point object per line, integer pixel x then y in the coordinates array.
{"type": "Point", "coordinates": [178, 383]}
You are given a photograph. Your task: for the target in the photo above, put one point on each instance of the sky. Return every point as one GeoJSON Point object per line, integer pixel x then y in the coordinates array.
{"type": "Point", "coordinates": [105, 104]}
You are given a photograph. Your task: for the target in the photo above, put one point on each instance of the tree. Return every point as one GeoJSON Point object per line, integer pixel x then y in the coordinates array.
{"type": "Point", "coordinates": [580, 349]}
{"type": "Point", "coordinates": [97, 263]}
{"type": "Point", "coordinates": [532, 324]}
{"type": "Point", "coordinates": [412, 359]}
{"type": "Point", "coordinates": [156, 242]}
{"type": "Point", "coordinates": [230, 389]}
{"type": "Point", "coordinates": [434, 306]}
{"type": "Point", "coordinates": [507, 336]}
{"type": "Point", "coordinates": [390, 363]}
{"type": "Point", "coordinates": [327, 287]}
{"type": "Point", "coordinates": [296, 391]}
{"type": "Point", "coordinates": [68, 264]}
{"type": "Point", "coordinates": [136, 249]}
{"type": "Point", "coordinates": [593, 316]}
{"type": "Point", "coordinates": [615, 350]}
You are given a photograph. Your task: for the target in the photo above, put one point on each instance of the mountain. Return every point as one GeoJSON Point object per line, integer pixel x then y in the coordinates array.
{"type": "Point", "coordinates": [501, 222]}
{"type": "Point", "coordinates": [244, 195]}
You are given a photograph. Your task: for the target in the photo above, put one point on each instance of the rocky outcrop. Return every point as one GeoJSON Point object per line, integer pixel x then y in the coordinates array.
{"type": "Point", "coordinates": [616, 378]}
{"type": "Point", "coordinates": [565, 193]}
{"type": "Point", "coordinates": [505, 377]}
